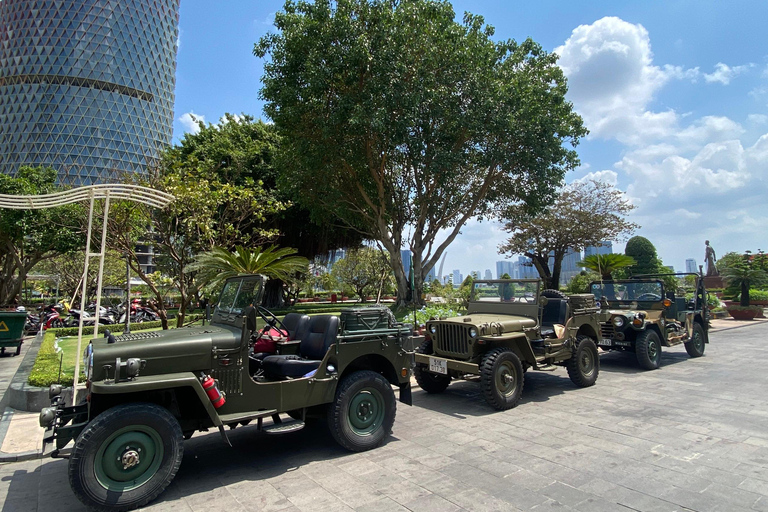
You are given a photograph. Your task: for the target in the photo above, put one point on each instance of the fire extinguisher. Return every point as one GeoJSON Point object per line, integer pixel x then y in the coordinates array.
{"type": "Point", "coordinates": [212, 390]}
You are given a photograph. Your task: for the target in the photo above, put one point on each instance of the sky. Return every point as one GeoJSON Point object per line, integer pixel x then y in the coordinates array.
{"type": "Point", "coordinates": [674, 93]}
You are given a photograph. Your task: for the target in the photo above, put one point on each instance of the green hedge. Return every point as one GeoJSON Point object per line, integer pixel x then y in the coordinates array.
{"type": "Point", "coordinates": [46, 369]}
{"type": "Point", "coordinates": [118, 328]}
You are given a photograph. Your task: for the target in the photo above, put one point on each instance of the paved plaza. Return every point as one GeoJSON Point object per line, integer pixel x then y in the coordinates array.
{"type": "Point", "coordinates": [690, 436]}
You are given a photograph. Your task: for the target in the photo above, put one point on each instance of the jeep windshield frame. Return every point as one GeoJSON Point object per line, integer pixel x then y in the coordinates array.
{"type": "Point", "coordinates": [627, 291]}
{"type": "Point", "coordinates": [524, 291]}
{"type": "Point", "coordinates": [239, 293]}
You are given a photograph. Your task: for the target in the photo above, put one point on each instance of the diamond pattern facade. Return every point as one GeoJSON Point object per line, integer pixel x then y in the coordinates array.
{"type": "Point", "coordinates": [86, 86]}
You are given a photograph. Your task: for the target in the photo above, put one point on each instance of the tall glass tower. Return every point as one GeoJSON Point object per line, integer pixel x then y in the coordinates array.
{"type": "Point", "coordinates": [86, 86]}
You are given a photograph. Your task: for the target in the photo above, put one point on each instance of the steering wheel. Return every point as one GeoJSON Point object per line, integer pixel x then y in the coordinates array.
{"type": "Point", "coordinates": [648, 296]}
{"type": "Point", "coordinates": [271, 321]}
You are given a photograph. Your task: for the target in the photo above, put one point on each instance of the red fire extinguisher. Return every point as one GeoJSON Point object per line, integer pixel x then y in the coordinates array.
{"type": "Point", "coordinates": [212, 390]}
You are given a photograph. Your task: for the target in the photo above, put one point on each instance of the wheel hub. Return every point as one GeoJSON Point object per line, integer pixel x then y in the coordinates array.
{"type": "Point", "coordinates": [130, 458]}
{"type": "Point", "coordinates": [366, 412]}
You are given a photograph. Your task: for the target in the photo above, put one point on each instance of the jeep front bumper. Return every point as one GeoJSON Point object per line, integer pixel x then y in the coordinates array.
{"type": "Point", "coordinates": [62, 424]}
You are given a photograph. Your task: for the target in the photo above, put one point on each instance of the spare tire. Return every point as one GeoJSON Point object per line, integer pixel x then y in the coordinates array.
{"type": "Point", "coordinates": [553, 294]}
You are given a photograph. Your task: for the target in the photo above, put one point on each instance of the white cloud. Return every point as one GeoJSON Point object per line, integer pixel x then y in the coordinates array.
{"type": "Point", "coordinates": [607, 176]}
{"type": "Point", "coordinates": [757, 119]}
{"type": "Point", "coordinates": [189, 122]}
{"type": "Point", "coordinates": [724, 74]}
{"type": "Point", "coordinates": [612, 79]}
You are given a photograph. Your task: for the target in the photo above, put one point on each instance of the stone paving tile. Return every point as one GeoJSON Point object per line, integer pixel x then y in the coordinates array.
{"type": "Point", "coordinates": [690, 436]}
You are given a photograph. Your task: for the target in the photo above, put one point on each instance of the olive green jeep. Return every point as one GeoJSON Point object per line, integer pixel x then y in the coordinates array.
{"type": "Point", "coordinates": [511, 326]}
{"type": "Point", "coordinates": [638, 315]}
{"type": "Point", "coordinates": [147, 392]}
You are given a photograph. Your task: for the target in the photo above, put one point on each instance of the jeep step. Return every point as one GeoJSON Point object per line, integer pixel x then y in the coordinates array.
{"type": "Point", "coordinates": [284, 427]}
{"type": "Point", "coordinates": [546, 368]}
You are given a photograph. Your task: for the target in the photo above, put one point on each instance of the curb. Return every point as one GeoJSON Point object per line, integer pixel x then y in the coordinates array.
{"type": "Point", "coordinates": [5, 422]}
{"type": "Point", "coordinates": [20, 395]}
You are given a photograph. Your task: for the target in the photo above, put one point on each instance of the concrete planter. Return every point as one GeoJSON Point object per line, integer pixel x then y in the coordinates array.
{"type": "Point", "coordinates": [744, 314]}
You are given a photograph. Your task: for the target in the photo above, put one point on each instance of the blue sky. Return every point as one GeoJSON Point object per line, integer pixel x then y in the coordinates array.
{"type": "Point", "coordinates": [675, 95]}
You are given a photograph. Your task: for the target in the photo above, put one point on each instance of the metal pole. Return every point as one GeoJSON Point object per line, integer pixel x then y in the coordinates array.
{"type": "Point", "coordinates": [82, 299]}
{"type": "Point", "coordinates": [99, 279]}
{"type": "Point", "coordinates": [127, 294]}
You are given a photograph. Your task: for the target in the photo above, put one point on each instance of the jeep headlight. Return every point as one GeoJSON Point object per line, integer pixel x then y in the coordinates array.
{"type": "Point", "coordinates": [432, 329]}
{"type": "Point", "coordinates": [618, 321]}
{"type": "Point", "coordinates": [472, 332]}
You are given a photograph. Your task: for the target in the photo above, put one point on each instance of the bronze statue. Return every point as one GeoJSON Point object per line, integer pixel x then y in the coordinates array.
{"type": "Point", "coordinates": [709, 257]}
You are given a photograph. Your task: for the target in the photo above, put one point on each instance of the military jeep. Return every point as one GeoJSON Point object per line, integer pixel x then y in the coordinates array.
{"type": "Point", "coordinates": [147, 392]}
{"type": "Point", "coordinates": [638, 315]}
{"type": "Point", "coordinates": [510, 327]}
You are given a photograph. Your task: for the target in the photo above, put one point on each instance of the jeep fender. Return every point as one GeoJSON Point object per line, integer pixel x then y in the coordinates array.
{"type": "Point", "coordinates": [160, 383]}
{"type": "Point", "coordinates": [519, 344]}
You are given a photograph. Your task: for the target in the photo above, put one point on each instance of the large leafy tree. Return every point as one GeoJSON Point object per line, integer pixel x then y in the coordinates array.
{"type": "Point", "coordinates": [606, 264]}
{"type": "Point", "coordinates": [28, 237]}
{"type": "Point", "coordinates": [364, 270]}
{"type": "Point", "coordinates": [583, 214]}
{"type": "Point", "coordinates": [403, 124]}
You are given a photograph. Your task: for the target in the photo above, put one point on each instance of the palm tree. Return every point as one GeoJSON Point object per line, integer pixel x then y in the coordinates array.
{"type": "Point", "coordinates": [744, 274]}
{"type": "Point", "coordinates": [605, 264]}
{"type": "Point", "coordinates": [217, 265]}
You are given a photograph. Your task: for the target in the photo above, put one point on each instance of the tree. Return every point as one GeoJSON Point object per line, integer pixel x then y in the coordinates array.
{"type": "Point", "coordinates": [606, 264]}
{"type": "Point", "coordinates": [403, 124]}
{"type": "Point", "coordinates": [583, 214]}
{"type": "Point", "coordinates": [745, 274]}
{"type": "Point", "coordinates": [28, 237]}
{"type": "Point", "coordinates": [66, 272]}
{"type": "Point", "coordinates": [364, 270]}
{"type": "Point", "coordinates": [644, 253]}
{"type": "Point", "coordinates": [580, 282]}
{"type": "Point", "coordinates": [218, 264]}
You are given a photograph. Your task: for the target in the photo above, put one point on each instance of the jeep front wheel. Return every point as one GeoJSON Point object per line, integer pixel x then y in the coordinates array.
{"type": "Point", "coordinates": [648, 350]}
{"type": "Point", "coordinates": [584, 365]}
{"type": "Point", "coordinates": [126, 457]}
{"type": "Point", "coordinates": [363, 412]}
{"type": "Point", "coordinates": [428, 381]}
{"type": "Point", "coordinates": [501, 376]}
{"type": "Point", "coordinates": [695, 347]}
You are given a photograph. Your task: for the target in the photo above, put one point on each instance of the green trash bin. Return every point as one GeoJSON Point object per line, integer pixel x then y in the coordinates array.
{"type": "Point", "coordinates": [11, 330]}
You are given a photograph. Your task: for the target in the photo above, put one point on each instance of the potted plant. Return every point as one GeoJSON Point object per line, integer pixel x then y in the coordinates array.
{"type": "Point", "coordinates": [743, 274]}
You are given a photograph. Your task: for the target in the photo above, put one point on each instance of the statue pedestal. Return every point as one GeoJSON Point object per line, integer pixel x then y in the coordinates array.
{"type": "Point", "coordinates": [711, 282]}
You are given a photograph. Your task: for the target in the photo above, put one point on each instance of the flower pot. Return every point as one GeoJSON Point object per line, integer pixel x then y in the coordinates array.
{"type": "Point", "coordinates": [743, 314]}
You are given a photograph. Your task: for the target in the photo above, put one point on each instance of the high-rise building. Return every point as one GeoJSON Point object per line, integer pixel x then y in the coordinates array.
{"type": "Point", "coordinates": [488, 274]}
{"type": "Point", "coordinates": [86, 86]}
{"type": "Point", "coordinates": [690, 265]}
{"type": "Point", "coordinates": [524, 269]}
{"type": "Point", "coordinates": [405, 255]}
{"type": "Point", "coordinates": [604, 247]}
{"type": "Point", "coordinates": [568, 267]}
{"type": "Point", "coordinates": [504, 267]}
{"type": "Point", "coordinates": [457, 278]}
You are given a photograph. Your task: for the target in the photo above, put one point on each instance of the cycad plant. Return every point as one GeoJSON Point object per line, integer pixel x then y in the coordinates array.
{"type": "Point", "coordinates": [744, 274]}
{"type": "Point", "coordinates": [605, 264]}
{"type": "Point", "coordinates": [218, 264]}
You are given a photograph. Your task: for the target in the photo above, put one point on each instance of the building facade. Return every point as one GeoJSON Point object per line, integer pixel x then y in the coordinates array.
{"type": "Point", "coordinates": [690, 266]}
{"type": "Point", "coordinates": [86, 86]}
{"type": "Point", "coordinates": [605, 247]}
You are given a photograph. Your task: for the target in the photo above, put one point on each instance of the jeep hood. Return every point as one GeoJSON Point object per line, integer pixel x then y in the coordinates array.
{"type": "Point", "coordinates": [509, 323]}
{"type": "Point", "coordinates": [174, 350]}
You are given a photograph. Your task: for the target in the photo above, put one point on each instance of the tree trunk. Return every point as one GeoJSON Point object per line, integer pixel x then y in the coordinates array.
{"type": "Point", "coordinates": [273, 294]}
{"type": "Point", "coordinates": [542, 267]}
{"type": "Point", "coordinates": [744, 294]}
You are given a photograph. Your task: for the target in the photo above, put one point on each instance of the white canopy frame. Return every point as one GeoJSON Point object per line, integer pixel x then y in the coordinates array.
{"type": "Point", "coordinates": [91, 193]}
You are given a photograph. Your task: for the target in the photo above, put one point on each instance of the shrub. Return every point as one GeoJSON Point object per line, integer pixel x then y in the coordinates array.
{"type": "Point", "coordinates": [434, 311]}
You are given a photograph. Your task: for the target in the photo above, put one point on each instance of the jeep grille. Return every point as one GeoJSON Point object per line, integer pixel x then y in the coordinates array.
{"type": "Point", "coordinates": [453, 339]}
{"type": "Point", "coordinates": [606, 329]}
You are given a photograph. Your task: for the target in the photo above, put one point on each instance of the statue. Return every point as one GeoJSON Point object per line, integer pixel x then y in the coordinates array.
{"type": "Point", "coordinates": [709, 257]}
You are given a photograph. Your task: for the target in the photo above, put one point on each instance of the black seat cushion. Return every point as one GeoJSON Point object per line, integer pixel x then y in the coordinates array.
{"type": "Point", "coordinates": [555, 312]}
{"type": "Point", "coordinates": [320, 335]}
{"type": "Point", "coordinates": [296, 324]}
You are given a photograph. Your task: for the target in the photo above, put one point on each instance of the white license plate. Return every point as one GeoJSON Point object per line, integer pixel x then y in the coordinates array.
{"type": "Point", "coordinates": [438, 365]}
{"type": "Point", "coordinates": [605, 342]}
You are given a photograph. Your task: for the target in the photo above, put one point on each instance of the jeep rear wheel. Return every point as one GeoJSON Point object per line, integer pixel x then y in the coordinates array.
{"type": "Point", "coordinates": [501, 376]}
{"type": "Point", "coordinates": [428, 381]}
{"type": "Point", "coordinates": [695, 347]}
{"type": "Point", "coordinates": [584, 365]}
{"type": "Point", "coordinates": [362, 415]}
{"type": "Point", "coordinates": [648, 350]}
{"type": "Point", "coordinates": [126, 457]}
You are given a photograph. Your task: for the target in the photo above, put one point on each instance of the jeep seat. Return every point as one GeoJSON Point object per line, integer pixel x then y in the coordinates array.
{"type": "Point", "coordinates": [555, 312]}
{"type": "Point", "coordinates": [296, 324]}
{"type": "Point", "coordinates": [319, 336]}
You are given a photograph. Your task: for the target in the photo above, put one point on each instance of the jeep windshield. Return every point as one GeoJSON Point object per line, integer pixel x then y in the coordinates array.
{"type": "Point", "coordinates": [238, 294]}
{"type": "Point", "coordinates": [505, 291]}
{"type": "Point", "coordinates": [628, 291]}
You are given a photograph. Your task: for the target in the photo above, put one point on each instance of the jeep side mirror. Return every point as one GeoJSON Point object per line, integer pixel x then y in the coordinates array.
{"type": "Point", "coordinates": [250, 318]}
